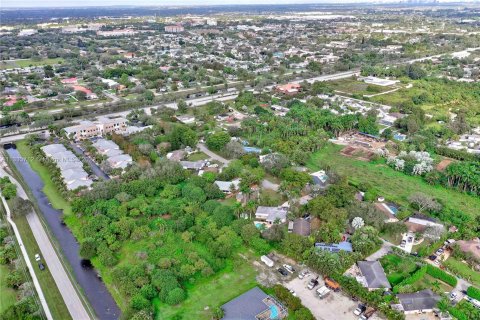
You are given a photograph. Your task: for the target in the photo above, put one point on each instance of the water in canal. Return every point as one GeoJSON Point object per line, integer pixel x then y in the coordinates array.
{"type": "Point", "coordinates": [93, 287]}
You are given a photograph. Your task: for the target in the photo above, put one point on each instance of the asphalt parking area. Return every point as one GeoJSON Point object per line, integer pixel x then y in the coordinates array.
{"type": "Point", "coordinates": [334, 306]}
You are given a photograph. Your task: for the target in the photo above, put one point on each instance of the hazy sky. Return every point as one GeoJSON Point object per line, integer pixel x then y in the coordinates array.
{"type": "Point", "coordinates": [84, 3]}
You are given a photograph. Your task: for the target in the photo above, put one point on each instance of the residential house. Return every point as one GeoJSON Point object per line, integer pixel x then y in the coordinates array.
{"type": "Point", "coordinates": [299, 226]}
{"type": "Point", "coordinates": [228, 186]}
{"type": "Point", "coordinates": [319, 178]}
{"type": "Point", "coordinates": [335, 247]}
{"type": "Point", "coordinates": [418, 302]}
{"type": "Point", "coordinates": [419, 222]}
{"type": "Point", "coordinates": [289, 89]}
{"type": "Point", "coordinates": [271, 214]}
{"type": "Point", "coordinates": [119, 161]}
{"type": "Point", "coordinates": [253, 304]}
{"type": "Point", "coordinates": [193, 165]}
{"type": "Point", "coordinates": [373, 276]}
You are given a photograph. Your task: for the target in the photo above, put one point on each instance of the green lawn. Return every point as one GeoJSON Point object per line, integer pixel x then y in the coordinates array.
{"type": "Point", "coordinates": [463, 270]}
{"type": "Point", "coordinates": [352, 86]}
{"type": "Point", "coordinates": [52, 295]}
{"type": "Point", "coordinates": [28, 62]}
{"type": "Point", "coordinates": [393, 185]}
{"type": "Point", "coordinates": [8, 296]}
{"type": "Point", "coordinates": [197, 156]}
{"type": "Point", "coordinates": [207, 294]}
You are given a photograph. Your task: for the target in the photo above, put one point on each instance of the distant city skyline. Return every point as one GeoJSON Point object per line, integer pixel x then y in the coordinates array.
{"type": "Point", "coordinates": [96, 3]}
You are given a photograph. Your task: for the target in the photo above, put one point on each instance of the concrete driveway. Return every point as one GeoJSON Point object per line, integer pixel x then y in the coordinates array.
{"type": "Point", "coordinates": [334, 306]}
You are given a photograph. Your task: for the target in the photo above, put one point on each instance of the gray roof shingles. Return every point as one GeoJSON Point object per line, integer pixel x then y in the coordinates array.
{"type": "Point", "coordinates": [421, 300]}
{"type": "Point", "coordinates": [245, 306]}
{"type": "Point", "coordinates": [374, 274]}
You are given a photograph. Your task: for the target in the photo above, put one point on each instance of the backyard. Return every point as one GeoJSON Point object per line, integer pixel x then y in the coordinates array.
{"type": "Point", "coordinates": [393, 185]}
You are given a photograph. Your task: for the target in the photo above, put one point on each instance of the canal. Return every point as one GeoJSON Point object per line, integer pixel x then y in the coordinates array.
{"type": "Point", "coordinates": [86, 276]}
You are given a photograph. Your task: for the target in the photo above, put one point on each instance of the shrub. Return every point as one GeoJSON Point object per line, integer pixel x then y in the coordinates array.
{"type": "Point", "coordinates": [417, 275]}
{"type": "Point", "coordinates": [441, 275]}
{"type": "Point", "coordinates": [473, 292]}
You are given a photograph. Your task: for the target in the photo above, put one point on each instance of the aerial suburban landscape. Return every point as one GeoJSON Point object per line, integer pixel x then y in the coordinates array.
{"type": "Point", "coordinates": [239, 160]}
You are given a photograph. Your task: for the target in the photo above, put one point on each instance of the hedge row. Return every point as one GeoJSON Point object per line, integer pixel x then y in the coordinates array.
{"type": "Point", "coordinates": [441, 275]}
{"type": "Point", "coordinates": [457, 154]}
{"type": "Point", "coordinates": [417, 275]}
{"type": "Point", "coordinates": [473, 292]}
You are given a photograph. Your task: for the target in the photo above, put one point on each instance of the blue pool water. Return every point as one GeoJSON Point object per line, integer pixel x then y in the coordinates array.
{"type": "Point", "coordinates": [273, 312]}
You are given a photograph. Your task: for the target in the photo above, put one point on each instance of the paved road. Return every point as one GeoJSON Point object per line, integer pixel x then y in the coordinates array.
{"type": "Point", "coordinates": [211, 154]}
{"type": "Point", "coordinates": [30, 267]}
{"type": "Point", "coordinates": [95, 168]}
{"type": "Point", "coordinates": [69, 294]}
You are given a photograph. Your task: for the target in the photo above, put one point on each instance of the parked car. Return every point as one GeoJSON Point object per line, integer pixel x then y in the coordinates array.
{"type": "Point", "coordinates": [453, 295]}
{"type": "Point", "coordinates": [439, 252]}
{"type": "Point", "coordinates": [303, 274]}
{"type": "Point", "coordinates": [37, 257]}
{"type": "Point", "coordinates": [41, 266]}
{"type": "Point", "coordinates": [437, 262]}
{"type": "Point", "coordinates": [282, 271]}
{"type": "Point", "coordinates": [358, 311]}
{"type": "Point", "coordinates": [289, 268]}
{"type": "Point", "coordinates": [410, 239]}
{"type": "Point", "coordinates": [312, 283]}
{"type": "Point", "coordinates": [293, 292]}
{"type": "Point", "coordinates": [432, 257]}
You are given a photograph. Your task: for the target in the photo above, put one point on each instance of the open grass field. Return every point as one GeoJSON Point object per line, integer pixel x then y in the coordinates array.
{"type": "Point", "coordinates": [463, 270]}
{"type": "Point", "coordinates": [50, 290]}
{"type": "Point", "coordinates": [393, 185]}
{"type": "Point", "coordinates": [207, 294]}
{"type": "Point", "coordinates": [22, 63]}
{"type": "Point", "coordinates": [353, 86]}
{"type": "Point", "coordinates": [8, 295]}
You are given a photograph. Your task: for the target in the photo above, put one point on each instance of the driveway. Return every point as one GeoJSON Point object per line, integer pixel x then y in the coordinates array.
{"type": "Point", "coordinates": [211, 154]}
{"type": "Point", "coordinates": [334, 306]}
{"type": "Point", "coordinates": [386, 247]}
{"type": "Point", "coordinates": [95, 168]}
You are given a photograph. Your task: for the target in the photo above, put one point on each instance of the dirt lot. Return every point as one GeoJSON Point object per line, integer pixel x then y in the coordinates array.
{"type": "Point", "coordinates": [334, 306]}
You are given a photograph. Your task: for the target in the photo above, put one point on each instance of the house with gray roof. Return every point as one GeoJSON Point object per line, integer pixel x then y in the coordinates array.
{"type": "Point", "coordinates": [271, 214]}
{"type": "Point", "coordinates": [193, 165]}
{"type": "Point", "coordinates": [119, 161]}
{"type": "Point", "coordinates": [373, 275]}
{"type": "Point", "coordinates": [421, 301]}
{"type": "Point", "coordinates": [334, 247]}
{"type": "Point", "coordinates": [253, 304]}
{"type": "Point", "coordinates": [226, 186]}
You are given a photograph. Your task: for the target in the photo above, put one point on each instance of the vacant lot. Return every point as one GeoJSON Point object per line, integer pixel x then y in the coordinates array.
{"type": "Point", "coordinates": [207, 294]}
{"type": "Point", "coordinates": [22, 63]}
{"type": "Point", "coordinates": [393, 185]}
{"type": "Point", "coordinates": [352, 86]}
{"type": "Point", "coordinates": [334, 306]}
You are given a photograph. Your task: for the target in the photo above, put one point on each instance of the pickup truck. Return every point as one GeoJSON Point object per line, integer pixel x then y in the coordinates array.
{"type": "Point", "coordinates": [312, 283]}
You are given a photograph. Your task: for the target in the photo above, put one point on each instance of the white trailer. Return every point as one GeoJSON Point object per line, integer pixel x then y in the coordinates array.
{"type": "Point", "coordinates": [323, 292]}
{"type": "Point", "coordinates": [269, 262]}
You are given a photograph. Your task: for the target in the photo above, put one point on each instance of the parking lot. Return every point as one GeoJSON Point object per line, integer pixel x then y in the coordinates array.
{"type": "Point", "coordinates": [333, 306]}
